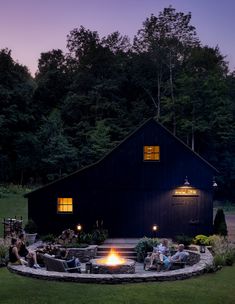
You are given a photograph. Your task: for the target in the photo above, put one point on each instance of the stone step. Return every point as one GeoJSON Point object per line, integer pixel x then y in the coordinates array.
{"type": "Point", "coordinates": [118, 241]}
{"type": "Point", "coordinates": [124, 250]}
{"type": "Point", "coordinates": [116, 248]}
{"type": "Point", "coordinates": [125, 257]}
{"type": "Point", "coordinates": [121, 253]}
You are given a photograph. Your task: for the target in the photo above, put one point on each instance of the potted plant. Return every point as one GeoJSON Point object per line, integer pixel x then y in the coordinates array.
{"type": "Point", "coordinates": [30, 232]}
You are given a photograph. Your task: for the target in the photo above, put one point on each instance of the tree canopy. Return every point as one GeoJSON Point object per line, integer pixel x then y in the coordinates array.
{"type": "Point", "coordinates": [83, 102]}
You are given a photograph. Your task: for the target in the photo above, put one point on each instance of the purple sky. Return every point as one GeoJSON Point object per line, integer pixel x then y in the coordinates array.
{"type": "Point", "coordinates": [29, 27]}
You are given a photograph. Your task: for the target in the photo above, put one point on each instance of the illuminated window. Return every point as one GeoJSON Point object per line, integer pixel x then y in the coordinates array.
{"type": "Point", "coordinates": [152, 153]}
{"type": "Point", "coordinates": [64, 205]}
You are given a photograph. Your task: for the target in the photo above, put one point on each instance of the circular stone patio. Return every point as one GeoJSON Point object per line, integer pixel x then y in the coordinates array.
{"type": "Point", "coordinates": [206, 260]}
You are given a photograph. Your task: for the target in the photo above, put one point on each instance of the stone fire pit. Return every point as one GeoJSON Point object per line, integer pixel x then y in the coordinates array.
{"type": "Point", "coordinates": [99, 266]}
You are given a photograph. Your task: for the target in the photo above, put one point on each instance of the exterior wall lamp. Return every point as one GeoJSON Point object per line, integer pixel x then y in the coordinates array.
{"type": "Point", "coordinates": [155, 229]}
{"type": "Point", "coordinates": [186, 189]}
{"type": "Point", "coordinates": [79, 227]}
{"type": "Point", "coordinates": [214, 184]}
{"type": "Point", "coordinates": [186, 182]}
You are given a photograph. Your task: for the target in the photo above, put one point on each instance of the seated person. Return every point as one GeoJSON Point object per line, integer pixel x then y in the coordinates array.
{"type": "Point", "coordinates": [25, 253]}
{"type": "Point", "coordinates": [180, 256]}
{"type": "Point", "coordinates": [73, 262]}
{"type": "Point", "coordinates": [159, 253]}
{"type": "Point", "coordinates": [14, 256]}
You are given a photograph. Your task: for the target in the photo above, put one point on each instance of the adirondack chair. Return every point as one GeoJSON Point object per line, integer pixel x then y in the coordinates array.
{"type": "Point", "coordinates": [53, 264]}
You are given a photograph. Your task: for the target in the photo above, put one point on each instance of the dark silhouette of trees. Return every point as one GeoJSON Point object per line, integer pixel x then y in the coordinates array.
{"type": "Point", "coordinates": [82, 103]}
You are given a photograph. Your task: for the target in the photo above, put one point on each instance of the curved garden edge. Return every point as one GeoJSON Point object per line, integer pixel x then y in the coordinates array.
{"type": "Point", "coordinates": [206, 260]}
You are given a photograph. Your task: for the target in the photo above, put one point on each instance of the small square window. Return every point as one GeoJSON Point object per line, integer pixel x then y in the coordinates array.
{"type": "Point", "coordinates": [152, 153]}
{"type": "Point", "coordinates": [64, 205]}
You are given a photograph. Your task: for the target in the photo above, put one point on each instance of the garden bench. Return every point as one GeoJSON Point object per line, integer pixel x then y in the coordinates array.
{"type": "Point", "coordinates": [53, 264]}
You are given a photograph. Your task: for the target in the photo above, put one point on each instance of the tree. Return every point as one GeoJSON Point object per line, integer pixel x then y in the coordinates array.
{"type": "Point", "coordinates": [57, 154]}
{"type": "Point", "coordinates": [98, 142]}
{"type": "Point", "coordinates": [116, 43]}
{"type": "Point", "coordinates": [200, 90]}
{"type": "Point", "coordinates": [82, 42]}
{"type": "Point", "coordinates": [166, 39]}
{"type": "Point", "coordinates": [16, 117]}
{"type": "Point", "coordinates": [220, 226]}
{"type": "Point", "coordinates": [52, 79]}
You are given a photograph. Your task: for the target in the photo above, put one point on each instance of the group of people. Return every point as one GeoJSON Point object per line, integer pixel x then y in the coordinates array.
{"type": "Point", "coordinates": [19, 254]}
{"type": "Point", "coordinates": [161, 255]}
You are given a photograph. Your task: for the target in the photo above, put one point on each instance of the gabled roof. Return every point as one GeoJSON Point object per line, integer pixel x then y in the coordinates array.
{"type": "Point", "coordinates": [130, 135]}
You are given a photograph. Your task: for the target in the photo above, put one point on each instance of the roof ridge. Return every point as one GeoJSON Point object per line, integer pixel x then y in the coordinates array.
{"type": "Point", "coordinates": [114, 148]}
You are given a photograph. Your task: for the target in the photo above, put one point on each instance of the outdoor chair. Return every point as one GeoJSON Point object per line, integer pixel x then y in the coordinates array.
{"type": "Point", "coordinates": [180, 264]}
{"type": "Point", "coordinates": [53, 264]}
{"type": "Point", "coordinates": [157, 264]}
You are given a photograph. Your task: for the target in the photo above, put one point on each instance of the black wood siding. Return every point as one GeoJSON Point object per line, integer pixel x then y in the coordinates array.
{"type": "Point", "coordinates": [131, 195]}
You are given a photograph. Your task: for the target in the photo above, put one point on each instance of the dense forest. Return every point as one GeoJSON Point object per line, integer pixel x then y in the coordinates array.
{"type": "Point", "coordinates": [81, 103]}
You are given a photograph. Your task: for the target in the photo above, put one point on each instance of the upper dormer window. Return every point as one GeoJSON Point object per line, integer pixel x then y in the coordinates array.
{"type": "Point", "coordinates": [152, 153]}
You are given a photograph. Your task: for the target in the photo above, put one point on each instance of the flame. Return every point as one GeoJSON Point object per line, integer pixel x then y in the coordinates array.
{"type": "Point", "coordinates": [112, 259]}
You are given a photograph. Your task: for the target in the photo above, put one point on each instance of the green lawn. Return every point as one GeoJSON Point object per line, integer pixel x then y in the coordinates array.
{"type": "Point", "coordinates": [227, 206]}
{"type": "Point", "coordinates": [14, 289]}
{"type": "Point", "coordinates": [211, 288]}
{"type": "Point", "coordinates": [12, 203]}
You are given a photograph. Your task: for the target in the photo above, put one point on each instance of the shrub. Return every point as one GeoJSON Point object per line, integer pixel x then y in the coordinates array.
{"type": "Point", "coordinates": [219, 260]}
{"type": "Point", "coordinates": [67, 236]}
{"type": "Point", "coordinates": [183, 239]}
{"type": "Point", "coordinates": [224, 252]}
{"type": "Point", "coordinates": [201, 239]}
{"type": "Point", "coordinates": [230, 258]}
{"type": "Point", "coordinates": [213, 239]}
{"type": "Point", "coordinates": [220, 226]}
{"type": "Point", "coordinates": [99, 235]}
{"type": "Point", "coordinates": [30, 227]}
{"type": "Point", "coordinates": [144, 246]}
{"type": "Point", "coordinates": [85, 238]}
{"type": "Point", "coordinates": [49, 238]}
{"type": "Point", "coordinates": [3, 255]}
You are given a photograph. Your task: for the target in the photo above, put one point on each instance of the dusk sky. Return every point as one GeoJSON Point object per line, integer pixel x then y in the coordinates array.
{"type": "Point", "coordinates": [29, 27]}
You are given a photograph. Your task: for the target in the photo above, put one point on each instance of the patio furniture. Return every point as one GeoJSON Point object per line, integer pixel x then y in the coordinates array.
{"type": "Point", "coordinates": [53, 264]}
{"type": "Point", "coordinates": [157, 265]}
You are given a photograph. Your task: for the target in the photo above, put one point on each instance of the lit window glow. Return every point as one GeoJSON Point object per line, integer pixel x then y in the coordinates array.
{"type": "Point", "coordinates": [152, 153]}
{"type": "Point", "coordinates": [64, 205]}
{"type": "Point", "coordinates": [185, 191]}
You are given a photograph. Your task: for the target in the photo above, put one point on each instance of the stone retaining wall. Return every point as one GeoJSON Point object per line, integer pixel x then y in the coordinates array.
{"type": "Point", "coordinates": [206, 260]}
{"type": "Point", "coordinates": [84, 254]}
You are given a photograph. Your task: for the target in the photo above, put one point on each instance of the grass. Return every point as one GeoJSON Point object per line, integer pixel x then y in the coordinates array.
{"type": "Point", "coordinates": [12, 203]}
{"type": "Point", "coordinates": [227, 206]}
{"type": "Point", "coordinates": [209, 289]}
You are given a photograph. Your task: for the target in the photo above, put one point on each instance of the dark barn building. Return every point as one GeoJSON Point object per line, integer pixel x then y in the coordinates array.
{"type": "Point", "coordinates": [138, 184]}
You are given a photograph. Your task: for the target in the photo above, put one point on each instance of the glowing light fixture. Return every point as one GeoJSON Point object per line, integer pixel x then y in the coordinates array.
{"type": "Point", "coordinates": [186, 189]}
{"type": "Point", "coordinates": [155, 227]}
{"type": "Point", "coordinates": [79, 227]}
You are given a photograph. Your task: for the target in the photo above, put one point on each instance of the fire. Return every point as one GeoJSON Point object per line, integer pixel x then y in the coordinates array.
{"type": "Point", "coordinates": [112, 259]}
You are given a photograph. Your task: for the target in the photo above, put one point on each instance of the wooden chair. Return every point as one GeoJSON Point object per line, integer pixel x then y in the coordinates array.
{"type": "Point", "coordinates": [53, 264]}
